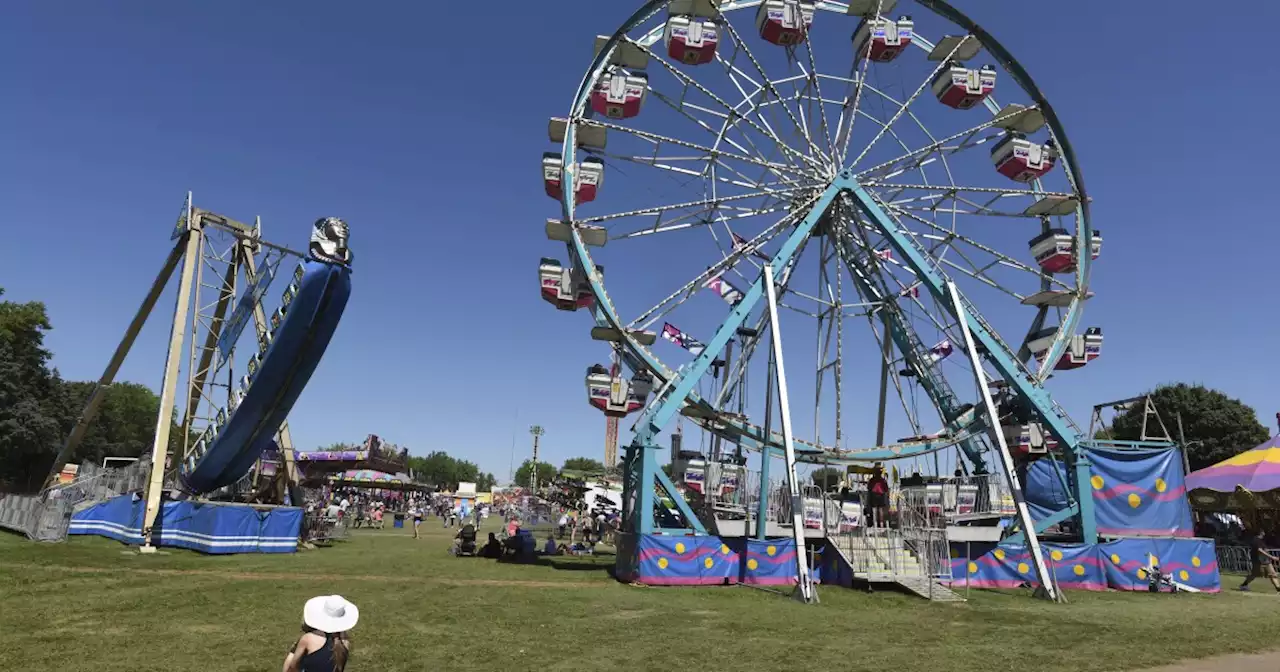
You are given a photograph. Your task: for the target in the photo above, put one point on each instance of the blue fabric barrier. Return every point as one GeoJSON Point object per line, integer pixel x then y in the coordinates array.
{"type": "Point", "coordinates": [1140, 493]}
{"type": "Point", "coordinates": [207, 527]}
{"type": "Point", "coordinates": [1118, 565]}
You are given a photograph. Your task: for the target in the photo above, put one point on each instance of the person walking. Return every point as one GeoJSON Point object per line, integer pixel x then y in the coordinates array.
{"type": "Point", "coordinates": [1260, 561]}
{"type": "Point", "coordinates": [416, 513]}
{"type": "Point", "coordinates": [324, 645]}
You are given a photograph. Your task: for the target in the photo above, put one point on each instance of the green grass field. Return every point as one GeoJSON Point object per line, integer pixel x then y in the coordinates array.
{"type": "Point", "coordinates": [92, 604]}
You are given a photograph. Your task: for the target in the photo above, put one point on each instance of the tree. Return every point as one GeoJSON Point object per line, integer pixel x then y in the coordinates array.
{"type": "Point", "coordinates": [583, 464]}
{"type": "Point", "coordinates": [125, 425]}
{"type": "Point", "coordinates": [339, 447]}
{"type": "Point", "coordinates": [826, 477]}
{"type": "Point", "coordinates": [444, 471]}
{"type": "Point", "coordinates": [1216, 425]}
{"type": "Point", "coordinates": [524, 475]}
{"type": "Point", "coordinates": [32, 400]}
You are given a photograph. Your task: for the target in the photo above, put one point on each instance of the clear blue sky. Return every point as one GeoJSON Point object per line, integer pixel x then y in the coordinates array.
{"type": "Point", "coordinates": [422, 124]}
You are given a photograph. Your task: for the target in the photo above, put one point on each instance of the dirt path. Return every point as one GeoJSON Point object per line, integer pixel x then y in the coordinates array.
{"type": "Point", "coordinates": [303, 576]}
{"type": "Point", "coordinates": [1237, 662]}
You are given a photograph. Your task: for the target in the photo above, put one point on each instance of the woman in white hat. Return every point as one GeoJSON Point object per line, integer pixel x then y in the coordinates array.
{"type": "Point", "coordinates": [324, 645]}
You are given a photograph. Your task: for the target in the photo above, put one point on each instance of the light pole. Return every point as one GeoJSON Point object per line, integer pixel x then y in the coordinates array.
{"type": "Point", "coordinates": [537, 431]}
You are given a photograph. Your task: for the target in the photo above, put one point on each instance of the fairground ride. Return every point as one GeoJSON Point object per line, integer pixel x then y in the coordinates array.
{"type": "Point", "coordinates": [877, 163]}
{"type": "Point", "coordinates": [240, 384]}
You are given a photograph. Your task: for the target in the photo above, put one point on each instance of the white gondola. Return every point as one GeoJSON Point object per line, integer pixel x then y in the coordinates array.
{"type": "Point", "coordinates": [691, 40]}
{"type": "Point", "coordinates": [552, 173]}
{"type": "Point", "coordinates": [813, 513]}
{"type": "Point", "coordinates": [882, 40]}
{"type": "Point", "coordinates": [589, 176]}
{"type": "Point", "coordinates": [619, 95]}
{"type": "Point", "coordinates": [784, 22]}
{"type": "Point", "coordinates": [1023, 160]}
{"type": "Point", "coordinates": [962, 88]}
{"type": "Point", "coordinates": [1055, 250]}
{"type": "Point", "coordinates": [641, 384]}
{"type": "Point", "coordinates": [850, 516]}
{"type": "Point", "coordinates": [563, 287]}
{"type": "Point", "coordinates": [695, 475]}
{"type": "Point", "coordinates": [1029, 439]}
{"type": "Point", "coordinates": [1080, 350]}
{"type": "Point", "coordinates": [607, 392]}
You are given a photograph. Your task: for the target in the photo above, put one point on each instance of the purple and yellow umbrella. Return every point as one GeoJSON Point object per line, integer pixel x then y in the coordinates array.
{"type": "Point", "coordinates": [1248, 480]}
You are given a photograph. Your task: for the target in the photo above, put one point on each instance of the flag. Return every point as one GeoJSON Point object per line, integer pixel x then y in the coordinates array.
{"type": "Point", "coordinates": [732, 295]}
{"type": "Point", "coordinates": [912, 291]}
{"type": "Point", "coordinates": [693, 345]}
{"type": "Point", "coordinates": [739, 242]}
{"type": "Point", "coordinates": [885, 254]}
{"type": "Point", "coordinates": [940, 351]}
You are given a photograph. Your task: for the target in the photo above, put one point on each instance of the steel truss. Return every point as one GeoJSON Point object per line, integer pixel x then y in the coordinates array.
{"type": "Point", "coordinates": [225, 267]}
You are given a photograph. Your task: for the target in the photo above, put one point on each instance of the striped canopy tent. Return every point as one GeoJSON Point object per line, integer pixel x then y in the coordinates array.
{"type": "Point", "coordinates": [368, 478]}
{"type": "Point", "coordinates": [1250, 480]}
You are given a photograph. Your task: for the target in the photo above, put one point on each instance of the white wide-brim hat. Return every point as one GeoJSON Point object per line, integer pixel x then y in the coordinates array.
{"type": "Point", "coordinates": [330, 614]}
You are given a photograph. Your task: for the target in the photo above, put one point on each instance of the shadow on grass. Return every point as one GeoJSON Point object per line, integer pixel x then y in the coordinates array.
{"type": "Point", "coordinates": [600, 562]}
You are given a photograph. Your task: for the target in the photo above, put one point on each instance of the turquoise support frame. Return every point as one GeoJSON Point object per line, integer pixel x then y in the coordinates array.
{"type": "Point", "coordinates": [935, 386]}
{"type": "Point", "coordinates": [643, 447]}
{"type": "Point", "coordinates": [1006, 363]}
{"type": "Point", "coordinates": [642, 451]}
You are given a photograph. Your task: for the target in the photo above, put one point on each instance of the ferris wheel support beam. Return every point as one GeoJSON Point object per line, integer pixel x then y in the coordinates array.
{"type": "Point", "coordinates": [913, 351]}
{"type": "Point", "coordinates": [662, 411]}
{"type": "Point", "coordinates": [804, 587]}
{"type": "Point", "coordinates": [1027, 386]}
{"type": "Point", "coordinates": [642, 464]}
{"type": "Point", "coordinates": [1047, 587]}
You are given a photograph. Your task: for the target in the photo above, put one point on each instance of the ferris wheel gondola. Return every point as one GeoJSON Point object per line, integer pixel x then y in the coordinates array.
{"type": "Point", "coordinates": [725, 120]}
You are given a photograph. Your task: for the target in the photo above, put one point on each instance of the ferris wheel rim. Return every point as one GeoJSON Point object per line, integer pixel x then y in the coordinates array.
{"type": "Point", "coordinates": [640, 355]}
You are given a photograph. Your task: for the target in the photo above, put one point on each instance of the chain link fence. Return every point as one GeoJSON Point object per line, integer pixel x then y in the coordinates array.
{"type": "Point", "coordinates": [47, 516]}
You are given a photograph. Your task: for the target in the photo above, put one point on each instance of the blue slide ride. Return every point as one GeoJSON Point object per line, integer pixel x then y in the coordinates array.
{"type": "Point", "coordinates": [299, 334]}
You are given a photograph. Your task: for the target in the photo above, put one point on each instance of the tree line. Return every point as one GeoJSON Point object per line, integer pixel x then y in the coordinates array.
{"type": "Point", "coordinates": [38, 409]}
{"type": "Point", "coordinates": [548, 471]}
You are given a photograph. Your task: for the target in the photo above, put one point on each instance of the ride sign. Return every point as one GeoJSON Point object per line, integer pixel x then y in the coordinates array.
{"type": "Point", "coordinates": [253, 296]}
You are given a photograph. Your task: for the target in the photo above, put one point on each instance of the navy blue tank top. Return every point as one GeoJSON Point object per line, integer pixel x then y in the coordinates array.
{"type": "Point", "coordinates": [320, 660]}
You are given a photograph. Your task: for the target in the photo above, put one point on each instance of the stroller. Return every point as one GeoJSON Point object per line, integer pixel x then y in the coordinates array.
{"type": "Point", "coordinates": [466, 541]}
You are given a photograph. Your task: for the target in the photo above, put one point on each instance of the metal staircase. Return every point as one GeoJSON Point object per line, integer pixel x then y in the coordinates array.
{"type": "Point", "coordinates": [915, 555]}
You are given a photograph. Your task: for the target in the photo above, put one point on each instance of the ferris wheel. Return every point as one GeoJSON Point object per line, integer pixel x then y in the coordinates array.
{"type": "Point", "coordinates": [892, 165]}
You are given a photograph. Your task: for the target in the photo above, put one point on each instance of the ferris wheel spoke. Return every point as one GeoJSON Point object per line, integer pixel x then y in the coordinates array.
{"type": "Point", "coordinates": [767, 84]}
{"type": "Point", "coordinates": [658, 139]}
{"type": "Point", "coordinates": [731, 111]}
{"type": "Point", "coordinates": [666, 163]}
{"type": "Point", "coordinates": [822, 106]}
{"type": "Point", "coordinates": [949, 238]}
{"type": "Point", "coordinates": [680, 222]}
{"type": "Point", "coordinates": [754, 108]}
{"type": "Point", "coordinates": [907, 103]}
{"type": "Point", "coordinates": [705, 202]}
{"type": "Point", "coordinates": [648, 317]}
{"type": "Point", "coordinates": [963, 140]}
